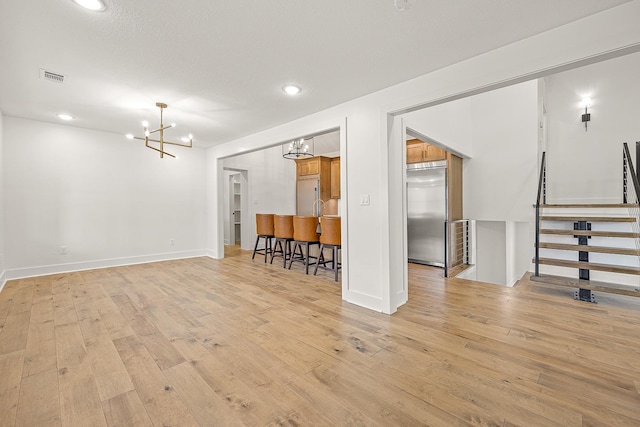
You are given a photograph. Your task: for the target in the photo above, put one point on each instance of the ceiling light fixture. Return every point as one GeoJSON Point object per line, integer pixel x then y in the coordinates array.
{"type": "Point", "coordinates": [65, 117]}
{"type": "Point", "coordinates": [403, 5]}
{"type": "Point", "coordinates": [94, 5]}
{"type": "Point", "coordinates": [160, 130]}
{"type": "Point", "coordinates": [298, 149]}
{"type": "Point", "coordinates": [292, 89]}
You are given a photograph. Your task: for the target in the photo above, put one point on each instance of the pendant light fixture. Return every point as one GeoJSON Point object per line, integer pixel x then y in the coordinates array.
{"type": "Point", "coordinates": [298, 149]}
{"type": "Point", "coordinates": [187, 140]}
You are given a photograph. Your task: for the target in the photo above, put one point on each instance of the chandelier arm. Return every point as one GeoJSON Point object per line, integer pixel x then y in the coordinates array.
{"type": "Point", "coordinates": [160, 128]}
{"type": "Point", "coordinates": [161, 152]}
{"type": "Point", "coordinates": [189, 145]}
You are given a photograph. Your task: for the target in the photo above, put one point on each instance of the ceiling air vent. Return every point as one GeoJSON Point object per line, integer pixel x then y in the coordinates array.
{"type": "Point", "coordinates": [51, 76]}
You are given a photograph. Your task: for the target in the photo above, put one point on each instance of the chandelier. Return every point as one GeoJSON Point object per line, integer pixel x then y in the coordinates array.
{"type": "Point", "coordinates": [298, 149]}
{"type": "Point", "coordinates": [187, 141]}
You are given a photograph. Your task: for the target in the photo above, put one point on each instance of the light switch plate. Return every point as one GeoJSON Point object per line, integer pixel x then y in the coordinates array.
{"type": "Point", "coordinates": [365, 200]}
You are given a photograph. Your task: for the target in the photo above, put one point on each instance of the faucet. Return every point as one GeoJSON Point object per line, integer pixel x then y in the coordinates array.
{"type": "Point", "coordinates": [319, 209]}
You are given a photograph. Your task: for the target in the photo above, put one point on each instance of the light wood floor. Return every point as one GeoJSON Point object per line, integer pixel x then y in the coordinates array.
{"type": "Point", "coordinates": [238, 342]}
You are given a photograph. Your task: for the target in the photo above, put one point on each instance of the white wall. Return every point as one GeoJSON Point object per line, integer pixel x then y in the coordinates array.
{"type": "Point", "coordinates": [373, 164]}
{"type": "Point", "coordinates": [615, 94]}
{"type": "Point", "coordinates": [448, 125]}
{"type": "Point", "coordinates": [2, 227]}
{"type": "Point", "coordinates": [109, 200]}
{"type": "Point", "coordinates": [271, 187]}
{"type": "Point", "coordinates": [500, 180]}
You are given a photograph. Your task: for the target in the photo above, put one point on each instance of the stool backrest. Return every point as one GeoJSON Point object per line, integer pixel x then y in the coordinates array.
{"type": "Point", "coordinates": [264, 224]}
{"type": "Point", "coordinates": [304, 228]}
{"type": "Point", "coordinates": [283, 226]}
{"type": "Point", "coordinates": [331, 231]}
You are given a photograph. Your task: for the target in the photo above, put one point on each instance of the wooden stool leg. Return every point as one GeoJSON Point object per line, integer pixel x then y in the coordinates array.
{"type": "Point", "coordinates": [320, 256]}
{"type": "Point", "coordinates": [255, 248]}
{"type": "Point", "coordinates": [295, 247]}
{"type": "Point", "coordinates": [267, 247]}
{"type": "Point", "coordinates": [334, 263]}
{"type": "Point", "coordinates": [287, 250]}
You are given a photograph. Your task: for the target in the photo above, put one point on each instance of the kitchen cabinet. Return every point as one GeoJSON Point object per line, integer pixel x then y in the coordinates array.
{"type": "Point", "coordinates": [335, 178]}
{"type": "Point", "coordinates": [313, 182]}
{"type": "Point", "coordinates": [310, 166]}
{"type": "Point", "coordinates": [419, 152]}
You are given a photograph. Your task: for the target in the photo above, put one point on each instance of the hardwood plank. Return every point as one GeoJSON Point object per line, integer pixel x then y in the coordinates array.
{"type": "Point", "coordinates": [587, 284]}
{"type": "Point", "coordinates": [591, 205]}
{"type": "Point", "coordinates": [39, 402]}
{"type": "Point", "coordinates": [591, 266]}
{"type": "Point", "coordinates": [587, 248]}
{"type": "Point", "coordinates": [10, 375]}
{"type": "Point", "coordinates": [126, 409]}
{"type": "Point", "coordinates": [70, 349]}
{"type": "Point", "coordinates": [620, 234]}
{"type": "Point", "coordinates": [160, 400]}
{"type": "Point", "coordinates": [157, 344]}
{"type": "Point", "coordinates": [111, 376]}
{"type": "Point", "coordinates": [15, 332]}
{"type": "Point", "coordinates": [204, 405]}
{"type": "Point", "coordinates": [40, 354]}
{"type": "Point", "coordinates": [587, 218]}
{"type": "Point", "coordinates": [79, 399]}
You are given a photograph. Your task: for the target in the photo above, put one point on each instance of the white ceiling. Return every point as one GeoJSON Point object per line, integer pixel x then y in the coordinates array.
{"type": "Point", "coordinates": [220, 65]}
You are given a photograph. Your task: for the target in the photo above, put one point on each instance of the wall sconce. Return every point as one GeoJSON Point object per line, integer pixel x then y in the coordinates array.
{"type": "Point", "coordinates": [586, 117]}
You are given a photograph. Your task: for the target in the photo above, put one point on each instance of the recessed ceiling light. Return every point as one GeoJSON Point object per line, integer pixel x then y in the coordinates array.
{"type": "Point", "coordinates": [67, 117]}
{"type": "Point", "coordinates": [95, 5]}
{"type": "Point", "coordinates": [292, 89]}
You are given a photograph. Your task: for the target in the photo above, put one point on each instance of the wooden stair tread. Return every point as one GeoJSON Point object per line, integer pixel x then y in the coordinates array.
{"type": "Point", "coordinates": [590, 205]}
{"type": "Point", "coordinates": [588, 218]}
{"type": "Point", "coordinates": [587, 248]}
{"type": "Point", "coordinates": [622, 234]}
{"type": "Point", "coordinates": [592, 285]}
{"type": "Point", "coordinates": [591, 266]}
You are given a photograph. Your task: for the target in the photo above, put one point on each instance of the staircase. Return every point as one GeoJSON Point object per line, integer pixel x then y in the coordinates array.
{"type": "Point", "coordinates": [592, 247]}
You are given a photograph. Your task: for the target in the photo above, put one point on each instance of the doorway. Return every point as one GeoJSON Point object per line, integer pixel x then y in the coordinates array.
{"type": "Point", "coordinates": [433, 196]}
{"type": "Point", "coordinates": [236, 207]}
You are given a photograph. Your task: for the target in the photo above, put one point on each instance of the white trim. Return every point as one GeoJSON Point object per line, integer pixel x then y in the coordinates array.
{"type": "Point", "coordinates": [363, 300]}
{"type": "Point", "coordinates": [21, 273]}
{"type": "Point", "coordinates": [3, 280]}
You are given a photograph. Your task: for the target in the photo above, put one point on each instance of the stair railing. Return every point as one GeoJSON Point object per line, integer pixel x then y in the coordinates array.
{"type": "Point", "coordinates": [457, 244]}
{"type": "Point", "coordinates": [631, 185]}
{"type": "Point", "coordinates": [541, 199]}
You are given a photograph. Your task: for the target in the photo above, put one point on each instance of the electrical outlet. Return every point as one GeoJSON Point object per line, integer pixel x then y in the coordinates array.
{"type": "Point", "coordinates": [63, 250]}
{"type": "Point", "coordinates": [172, 242]}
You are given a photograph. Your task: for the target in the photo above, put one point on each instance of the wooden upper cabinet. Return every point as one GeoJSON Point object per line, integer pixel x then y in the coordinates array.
{"type": "Point", "coordinates": [419, 152]}
{"type": "Point", "coordinates": [308, 166]}
{"type": "Point", "coordinates": [320, 166]}
{"type": "Point", "coordinates": [434, 153]}
{"type": "Point", "coordinates": [335, 178]}
{"type": "Point", "coordinates": [415, 151]}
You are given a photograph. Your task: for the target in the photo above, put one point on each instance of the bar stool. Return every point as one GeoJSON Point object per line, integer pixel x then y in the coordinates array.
{"type": "Point", "coordinates": [283, 232]}
{"type": "Point", "coordinates": [330, 238]}
{"type": "Point", "coordinates": [264, 228]}
{"type": "Point", "coordinates": [304, 234]}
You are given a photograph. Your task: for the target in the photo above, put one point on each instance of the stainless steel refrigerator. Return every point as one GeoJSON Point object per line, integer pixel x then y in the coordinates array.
{"type": "Point", "coordinates": [426, 212]}
{"type": "Point", "coordinates": [307, 191]}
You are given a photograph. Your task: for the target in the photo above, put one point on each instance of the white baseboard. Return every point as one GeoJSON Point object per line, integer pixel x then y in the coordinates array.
{"type": "Point", "coordinates": [367, 301]}
{"type": "Point", "coordinates": [21, 273]}
{"type": "Point", "coordinates": [3, 280]}
{"type": "Point", "coordinates": [211, 253]}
